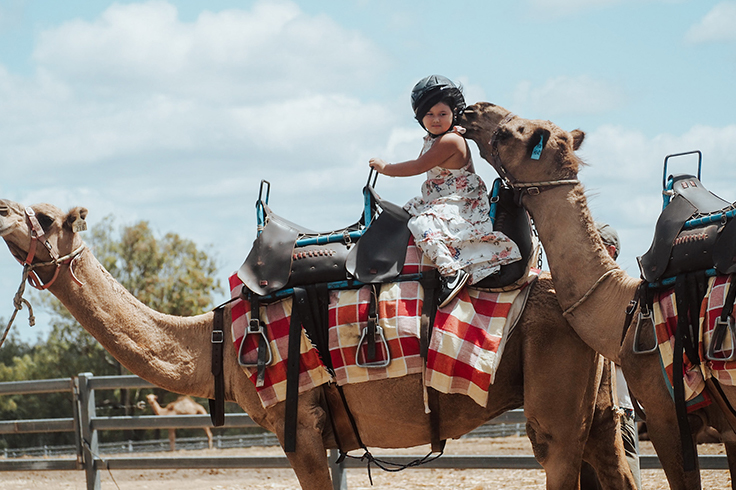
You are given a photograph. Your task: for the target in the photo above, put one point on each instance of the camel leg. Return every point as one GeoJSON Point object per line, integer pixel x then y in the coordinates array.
{"type": "Point", "coordinates": [172, 439]}
{"type": "Point", "coordinates": [661, 417]}
{"type": "Point", "coordinates": [209, 437]}
{"type": "Point", "coordinates": [557, 425]}
{"type": "Point", "coordinates": [309, 461]}
{"type": "Point", "coordinates": [604, 449]}
{"type": "Point", "coordinates": [731, 456]}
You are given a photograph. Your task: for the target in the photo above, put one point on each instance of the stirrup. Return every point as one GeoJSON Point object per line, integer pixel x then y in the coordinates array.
{"type": "Point", "coordinates": [373, 364]}
{"type": "Point", "coordinates": [644, 314]}
{"type": "Point", "coordinates": [258, 328]}
{"type": "Point", "coordinates": [719, 335]}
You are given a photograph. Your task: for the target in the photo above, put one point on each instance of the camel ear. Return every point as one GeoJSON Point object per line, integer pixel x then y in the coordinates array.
{"type": "Point", "coordinates": [75, 220]}
{"type": "Point", "coordinates": [577, 139]}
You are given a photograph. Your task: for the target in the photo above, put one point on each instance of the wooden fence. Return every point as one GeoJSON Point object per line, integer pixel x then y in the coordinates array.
{"type": "Point", "coordinates": [85, 425]}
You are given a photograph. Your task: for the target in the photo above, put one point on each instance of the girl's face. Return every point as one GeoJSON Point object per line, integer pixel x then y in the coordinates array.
{"type": "Point", "coordinates": [438, 119]}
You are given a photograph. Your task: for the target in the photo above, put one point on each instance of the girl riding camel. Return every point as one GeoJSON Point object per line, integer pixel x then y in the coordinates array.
{"type": "Point", "coordinates": [451, 219]}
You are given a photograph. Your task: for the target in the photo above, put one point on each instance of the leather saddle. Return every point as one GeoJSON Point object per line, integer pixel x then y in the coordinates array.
{"type": "Point", "coordinates": [693, 233]}
{"type": "Point", "coordinates": [285, 254]}
{"type": "Point", "coordinates": [513, 221]}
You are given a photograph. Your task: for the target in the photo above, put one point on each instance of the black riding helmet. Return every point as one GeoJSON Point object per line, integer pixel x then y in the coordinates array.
{"type": "Point", "coordinates": [433, 89]}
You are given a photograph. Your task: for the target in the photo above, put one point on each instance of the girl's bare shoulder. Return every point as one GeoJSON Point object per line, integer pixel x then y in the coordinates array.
{"type": "Point", "coordinates": [451, 138]}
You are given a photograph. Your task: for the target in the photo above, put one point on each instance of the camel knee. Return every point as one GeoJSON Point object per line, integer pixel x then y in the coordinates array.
{"type": "Point", "coordinates": [539, 440]}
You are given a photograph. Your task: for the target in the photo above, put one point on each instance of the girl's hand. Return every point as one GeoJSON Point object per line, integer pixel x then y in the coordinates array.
{"type": "Point", "coordinates": [378, 165]}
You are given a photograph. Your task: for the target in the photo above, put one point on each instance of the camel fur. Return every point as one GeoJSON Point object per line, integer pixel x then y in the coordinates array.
{"type": "Point", "coordinates": [578, 260]}
{"type": "Point", "coordinates": [545, 367]}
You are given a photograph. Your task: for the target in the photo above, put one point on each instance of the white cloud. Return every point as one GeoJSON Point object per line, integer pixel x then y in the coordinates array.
{"type": "Point", "coordinates": [139, 92]}
{"type": "Point", "coordinates": [233, 55]}
{"type": "Point", "coordinates": [718, 25]}
{"type": "Point", "coordinates": [567, 96]}
{"type": "Point", "coordinates": [624, 179]}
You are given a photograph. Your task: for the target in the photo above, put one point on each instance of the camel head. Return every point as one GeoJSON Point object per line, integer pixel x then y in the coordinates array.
{"type": "Point", "coordinates": [522, 150]}
{"type": "Point", "coordinates": [43, 232]}
{"type": "Point", "coordinates": [151, 399]}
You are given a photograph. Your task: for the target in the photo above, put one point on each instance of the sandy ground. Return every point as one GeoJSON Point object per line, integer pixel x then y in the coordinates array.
{"type": "Point", "coordinates": [412, 479]}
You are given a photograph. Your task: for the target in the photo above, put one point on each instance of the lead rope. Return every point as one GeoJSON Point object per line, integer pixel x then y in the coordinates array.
{"type": "Point", "coordinates": [104, 461]}
{"type": "Point", "coordinates": [18, 302]}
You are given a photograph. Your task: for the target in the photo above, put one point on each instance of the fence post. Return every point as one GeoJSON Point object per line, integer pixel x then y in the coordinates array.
{"type": "Point", "coordinates": [77, 410]}
{"type": "Point", "coordinates": [339, 478]}
{"type": "Point", "coordinates": [90, 443]}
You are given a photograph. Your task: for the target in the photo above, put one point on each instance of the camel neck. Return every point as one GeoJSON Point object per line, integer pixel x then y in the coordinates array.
{"type": "Point", "coordinates": [581, 268]}
{"type": "Point", "coordinates": [169, 351]}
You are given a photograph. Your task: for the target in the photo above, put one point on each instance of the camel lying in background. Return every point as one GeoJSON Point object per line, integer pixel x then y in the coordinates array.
{"type": "Point", "coordinates": [545, 367]}
{"type": "Point", "coordinates": [591, 288]}
{"type": "Point", "coordinates": [184, 405]}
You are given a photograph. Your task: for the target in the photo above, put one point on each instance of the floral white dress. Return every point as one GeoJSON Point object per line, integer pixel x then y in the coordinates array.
{"type": "Point", "coordinates": [451, 222]}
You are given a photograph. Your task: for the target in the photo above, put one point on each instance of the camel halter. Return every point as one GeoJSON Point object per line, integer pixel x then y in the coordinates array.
{"type": "Point", "coordinates": [29, 272]}
{"type": "Point", "coordinates": [534, 189]}
{"type": "Point", "coordinates": [521, 188]}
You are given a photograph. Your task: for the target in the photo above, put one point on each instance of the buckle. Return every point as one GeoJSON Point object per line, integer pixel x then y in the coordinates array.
{"type": "Point", "coordinates": [218, 337]}
{"type": "Point", "coordinates": [533, 191]}
{"type": "Point", "coordinates": [255, 326]}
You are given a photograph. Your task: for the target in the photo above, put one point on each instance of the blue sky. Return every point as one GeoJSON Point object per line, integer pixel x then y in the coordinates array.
{"type": "Point", "coordinates": [172, 112]}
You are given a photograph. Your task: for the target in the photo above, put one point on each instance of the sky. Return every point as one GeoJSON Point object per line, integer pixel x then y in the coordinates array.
{"type": "Point", "coordinates": [173, 111]}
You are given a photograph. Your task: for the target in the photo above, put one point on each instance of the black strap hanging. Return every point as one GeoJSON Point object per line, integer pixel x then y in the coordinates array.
{"type": "Point", "coordinates": [217, 406]}
{"type": "Point", "coordinates": [684, 297]}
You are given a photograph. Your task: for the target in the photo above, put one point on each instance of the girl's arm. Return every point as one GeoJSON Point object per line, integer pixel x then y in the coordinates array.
{"type": "Point", "coordinates": [449, 152]}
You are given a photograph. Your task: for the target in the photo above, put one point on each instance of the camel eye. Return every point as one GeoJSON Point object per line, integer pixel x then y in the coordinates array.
{"type": "Point", "coordinates": [4, 211]}
{"type": "Point", "coordinates": [45, 221]}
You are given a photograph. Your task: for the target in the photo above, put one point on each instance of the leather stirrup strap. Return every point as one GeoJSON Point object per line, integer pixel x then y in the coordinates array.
{"type": "Point", "coordinates": [372, 323]}
{"type": "Point", "coordinates": [217, 406]}
{"type": "Point", "coordinates": [689, 452]}
{"type": "Point", "coordinates": [430, 282]}
{"type": "Point", "coordinates": [299, 308]}
{"type": "Point", "coordinates": [262, 353]}
{"type": "Point", "coordinates": [631, 308]}
{"type": "Point", "coordinates": [433, 398]}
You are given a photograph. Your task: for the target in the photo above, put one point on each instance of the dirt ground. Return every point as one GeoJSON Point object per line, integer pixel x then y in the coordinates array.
{"type": "Point", "coordinates": [412, 479]}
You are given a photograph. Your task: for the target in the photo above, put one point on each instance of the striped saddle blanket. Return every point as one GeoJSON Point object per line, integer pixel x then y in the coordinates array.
{"type": "Point", "coordinates": [465, 347]}
{"type": "Point", "coordinates": [665, 319]}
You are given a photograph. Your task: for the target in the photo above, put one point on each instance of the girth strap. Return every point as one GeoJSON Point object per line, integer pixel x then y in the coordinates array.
{"type": "Point", "coordinates": [689, 291]}
{"type": "Point", "coordinates": [217, 406]}
{"type": "Point", "coordinates": [430, 282]}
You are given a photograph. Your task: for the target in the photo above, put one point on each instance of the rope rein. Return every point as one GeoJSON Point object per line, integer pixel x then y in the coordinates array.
{"type": "Point", "coordinates": [590, 291]}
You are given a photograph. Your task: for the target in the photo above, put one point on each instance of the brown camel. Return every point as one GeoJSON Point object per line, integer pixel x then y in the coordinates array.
{"type": "Point", "coordinates": [184, 405]}
{"type": "Point", "coordinates": [592, 290]}
{"type": "Point", "coordinates": [545, 367]}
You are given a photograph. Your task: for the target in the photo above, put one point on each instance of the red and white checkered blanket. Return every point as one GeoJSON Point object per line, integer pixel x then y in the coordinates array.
{"type": "Point", "coordinates": [465, 348]}
{"type": "Point", "coordinates": [665, 319]}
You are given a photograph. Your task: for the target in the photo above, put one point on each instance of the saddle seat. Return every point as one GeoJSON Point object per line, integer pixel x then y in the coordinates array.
{"type": "Point", "coordinates": [694, 232]}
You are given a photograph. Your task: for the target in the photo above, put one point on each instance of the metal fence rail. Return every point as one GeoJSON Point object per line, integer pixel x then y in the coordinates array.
{"type": "Point", "coordinates": [85, 424]}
